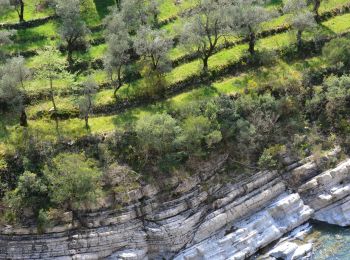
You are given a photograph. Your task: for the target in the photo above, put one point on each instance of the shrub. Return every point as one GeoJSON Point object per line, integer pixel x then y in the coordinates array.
{"type": "Point", "coordinates": [270, 157]}
{"type": "Point", "coordinates": [74, 180]}
{"type": "Point", "coordinates": [156, 134]}
{"type": "Point", "coordinates": [30, 195]}
{"type": "Point", "coordinates": [337, 51]}
{"type": "Point", "coordinates": [197, 132]}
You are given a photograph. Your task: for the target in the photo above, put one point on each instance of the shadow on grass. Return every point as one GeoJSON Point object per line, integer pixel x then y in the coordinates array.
{"type": "Point", "coordinates": [7, 121]}
{"type": "Point", "coordinates": [274, 3]}
{"type": "Point", "coordinates": [25, 39]}
{"type": "Point", "coordinates": [130, 117]}
{"type": "Point", "coordinates": [102, 7]}
{"type": "Point", "coordinates": [326, 30]}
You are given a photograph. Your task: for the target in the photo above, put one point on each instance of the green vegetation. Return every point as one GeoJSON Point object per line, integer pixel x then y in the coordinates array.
{"type": "Point", "coordinates": [107, 95]}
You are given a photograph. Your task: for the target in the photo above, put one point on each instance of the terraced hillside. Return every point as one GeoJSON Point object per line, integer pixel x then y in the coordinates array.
{"type": "Point", "coordinates": [226, 65]}
{"type": "Point", "coordinates": [285, 96]}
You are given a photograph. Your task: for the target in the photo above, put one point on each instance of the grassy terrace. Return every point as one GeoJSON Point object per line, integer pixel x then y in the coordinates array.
{"type": "Point", "coordinates": [183, 71]}
{"type": "Point", "coordinates": [74, 128]}
{"type": "Point", "coordinates": [32, 11]}
{"type": "Point", "coordinates": [34, 38]}
{"type": "Point", "coordinates": [336, 25]}
{"type": "Point", "coordinates": [94, 11]}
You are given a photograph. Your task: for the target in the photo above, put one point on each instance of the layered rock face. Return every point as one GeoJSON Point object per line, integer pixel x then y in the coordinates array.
{"type": "Point", "coordinates": [207, 220]}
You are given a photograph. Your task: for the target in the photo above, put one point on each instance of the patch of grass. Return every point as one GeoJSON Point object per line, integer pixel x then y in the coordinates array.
{"type": "Point", "coordinates": [223, 58]}
{"type": "Point", "coordinates": [102, 7]}
{"type": "Point", "coordinates": [74, 128]}
{"type": "Point", "coordinates": [169, 9]}
{"type": "Point", "coordinates": [89, 13]}
{"type": "Point", "coordinates": [327, 5]}
{"type": "Point", "coordinates": [35, 38]}
{"type": "Point", "coordinates": [31, 11]}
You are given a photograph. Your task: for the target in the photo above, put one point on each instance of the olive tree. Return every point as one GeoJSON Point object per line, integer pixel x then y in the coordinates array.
{"type": "Point", "coordinates": [5, 34]}
{"type": "Point", "coordinates": [117, 54]}
{"type": "Point", "coordinates": [19, 7]}
{"type": "Point", "coordinates": [12, 88]}
{"type": "Point", "coordinates": [136, 13]}
{"type": "Point", "coordinates": [316, 4]}
{"type": "Point", "coordinates": [153, 46]}
{"type": "Point", "coordinates": [133, 13]}
{"type": "Point", "coordinates": [50, 68]}
{"type": "Point", "coordinates": [85, 102]}
{"type": "Point", "coordinates": [73, 29]}
{"type": "Point", "coordinates": [153, 11]}
{"type": "Point", "coordinates": [301, 18]}
{"type": "Point", "coordinates": [337, 52]}
{"type": "Point", "coordinates": [4, 6]}
{"type": "Point", "coordinates": [5, 39]}
{"type": "Point", "coordinates": [118, 4]}
{"type": "Point", "coordinates": [247, 17]}
{"type": "Point", "coordinates": [203, 30]}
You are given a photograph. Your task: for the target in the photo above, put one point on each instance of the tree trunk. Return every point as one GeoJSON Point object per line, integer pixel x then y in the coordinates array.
{"type": "Point", "coordinates": [52, 96]}
{"type": "Point", "coordinates": [155, 21]}
{"type": "Point", "coordinates": [299, 40]}
{"type": "Point", "coordinates": [252, 39]}
{"type": "Point", "coordinates": [317, 5]}
{"type": "Point", "coordinates": [205, 64]}
{"type": "Point", "coordinates": [70, 56]}
{"type": "Point", "coordinates": [23, 118]}
{"type": "Point", "coordinates": [120, 82]}
{"type": "Point", "coordinates": [87, 122]}
{"type": "Point", "coordinates": [118, 2]}
{"type": "Point", "coordinates": [21, 12]}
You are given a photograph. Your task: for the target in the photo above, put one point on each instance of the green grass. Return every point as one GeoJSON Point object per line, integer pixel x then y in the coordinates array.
{"type": "Point", "coordinates": [102, 7]}
{"type": "Point", "coordinates": [326, 5]}
{"type": "Point", "coordinates": [338, 24]}
{"type": "Point", "coordinates": [169, 9]}
{"type": "Point", "coordinates": [73, 128]}
{"type": "Point", "coordinates": [223, 58]}
{"type": "Point", "coordinates": [30, 13]}
{"type": "Point", "coordinates": [34, 38]}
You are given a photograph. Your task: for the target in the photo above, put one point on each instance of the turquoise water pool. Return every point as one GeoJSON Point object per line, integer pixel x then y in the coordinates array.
{"type": "Point", "coordinates": [330, 242]}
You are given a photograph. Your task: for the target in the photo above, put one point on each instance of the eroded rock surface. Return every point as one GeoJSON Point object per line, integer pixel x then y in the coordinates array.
{"type": "Point", "coordinates": [225, 221]}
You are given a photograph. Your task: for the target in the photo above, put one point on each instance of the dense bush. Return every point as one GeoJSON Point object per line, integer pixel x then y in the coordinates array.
{"type": "Point", "coordinates": [73, 181]}
{"type": "Point", "coordinates": [337, 51]}
{"type": "Point", "coordinates": [69, 182]}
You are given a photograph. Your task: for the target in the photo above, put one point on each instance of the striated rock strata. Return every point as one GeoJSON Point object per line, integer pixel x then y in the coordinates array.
{"type": "Point", "coordinates": [229, 220]}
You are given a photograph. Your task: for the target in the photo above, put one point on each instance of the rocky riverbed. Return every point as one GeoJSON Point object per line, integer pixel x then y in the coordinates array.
{"type": "Point", "coordinates": [207, 220]}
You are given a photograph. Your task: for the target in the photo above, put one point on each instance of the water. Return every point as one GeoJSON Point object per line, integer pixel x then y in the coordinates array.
{"type": "Point", "coordinates": [330, 242]}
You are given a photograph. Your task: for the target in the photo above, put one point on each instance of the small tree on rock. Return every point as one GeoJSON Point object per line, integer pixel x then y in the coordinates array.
{"type": "Point", "coordinates": [73, 181]}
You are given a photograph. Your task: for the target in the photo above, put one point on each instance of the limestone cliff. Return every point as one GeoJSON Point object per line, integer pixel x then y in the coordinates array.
{"type": "Point", "coordinates": [230, 219]}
